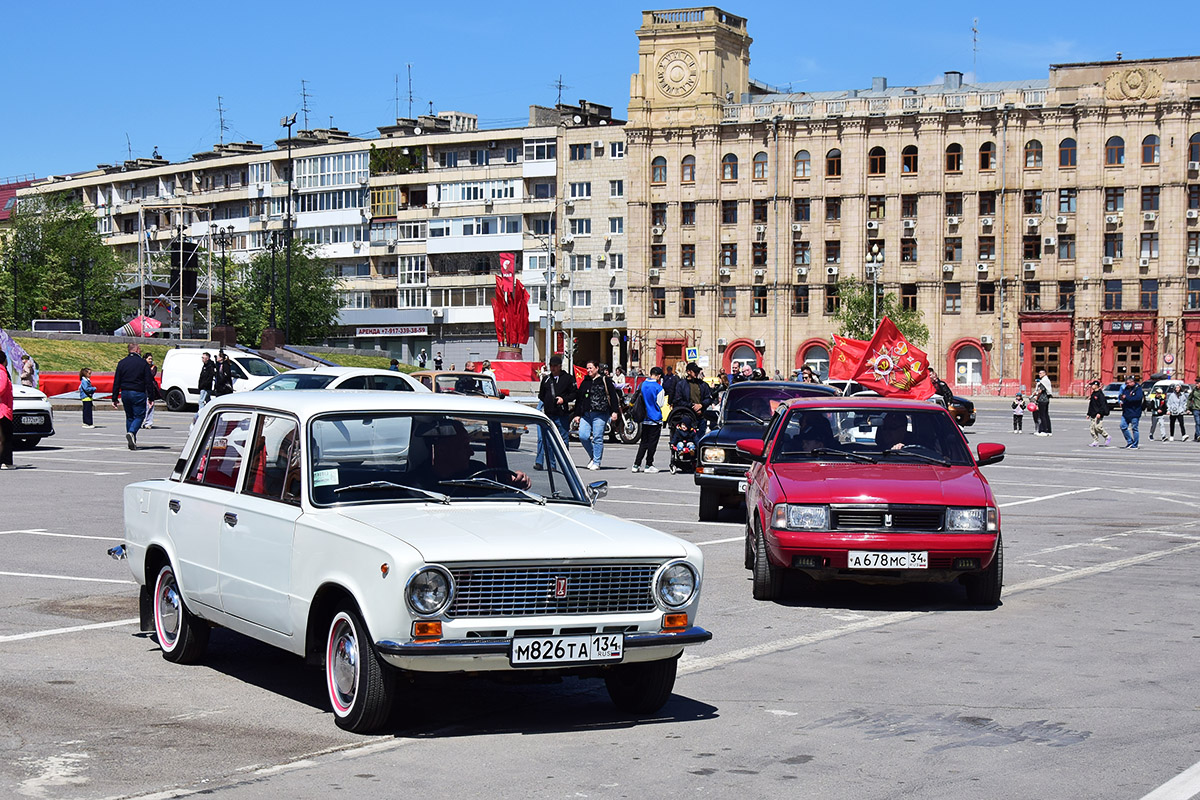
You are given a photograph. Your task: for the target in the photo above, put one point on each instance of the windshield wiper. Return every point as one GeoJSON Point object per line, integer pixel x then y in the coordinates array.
{"type": "Point", "coordinates": [751, 416]}
{"type": "Point", "coordinates": [441, 498]}
{"type": "Point", "coordinates": [920, 456]}
{"type": "Point", "coordinates": [537, 498]}
{"type": "Point", "coordinates": [825, 451]}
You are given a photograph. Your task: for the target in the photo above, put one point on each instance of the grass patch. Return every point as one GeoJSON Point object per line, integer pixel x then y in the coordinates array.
{"type": "Point", "coordinates": [68, 355]}
{"type": "Point", "coordinates": [350, 360]}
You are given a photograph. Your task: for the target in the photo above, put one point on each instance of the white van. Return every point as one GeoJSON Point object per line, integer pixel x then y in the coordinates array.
{"type": "Point", "coordinates": [181, 374]}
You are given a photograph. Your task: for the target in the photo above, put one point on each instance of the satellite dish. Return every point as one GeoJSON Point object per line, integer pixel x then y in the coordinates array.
{"type": "Point", "coordinates": [417, 131]}
{"type": "Point", "coordinates": [603, 122]}
{"type": "Point", "coordinates": [577, 119]}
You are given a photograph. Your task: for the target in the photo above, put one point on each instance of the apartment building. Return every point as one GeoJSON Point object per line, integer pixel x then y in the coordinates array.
{"type": "Point", "coordinates": [1045, 223]}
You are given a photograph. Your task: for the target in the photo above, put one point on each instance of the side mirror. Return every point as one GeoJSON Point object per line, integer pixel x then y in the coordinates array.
{"type": "Point", "coordinates": [504, 392]}
{"type": "Point", "coordinates": [597, 489]}
{"type": "Point", "coordinates": [990, 453]}
{"type": "Point", "coordinates": [752, 447]}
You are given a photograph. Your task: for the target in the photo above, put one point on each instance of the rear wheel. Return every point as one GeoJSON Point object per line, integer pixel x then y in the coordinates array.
{"type": "Point", "coordinates": [984, 589]}
{"type": "Point", "coordinates": [710, 504]}
{"type": "Point", "coordinates": [181, 636]}
{"type": "Point", "coordinates": [25, 442]}
{"type": "Point", "coordinates": [176, 400]}
{"type": "Point", "coordinates": [630, 432]}
{"type": "Point", "coordinates": [361, 686]}
{"type": "Point", "coordinates": [768, 578]}
{"type": "Point", "coordinates": [641, 688]}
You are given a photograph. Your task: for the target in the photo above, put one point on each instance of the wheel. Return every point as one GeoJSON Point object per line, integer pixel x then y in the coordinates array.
{"type": "Point", "coordinates": [182, 636]}
{"type": "Point", "coordinates": [361, 686]}
{"type": "Point", "coordinates": [768, 578]}
{"type": "Point", "coordinates": [710, 504]}
{"type": "Point", "coordinates": [176, 400]}
{"type": "Point", "coordinates": [26, 442]}
{"type": "Point", "coordinates": [630, 432]}
{"type": "Point", "coordinates": [984, 589]}
{"type": "Point", "coordinates": [641, 688]}
{"type": "Point", "coordinates": [674, 469]}
{"type": "Point", "coordinates": [512, 445]}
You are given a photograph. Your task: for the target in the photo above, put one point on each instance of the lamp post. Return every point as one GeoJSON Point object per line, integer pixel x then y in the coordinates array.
{"type": "Point", "coordinates": [288, 122]}
{"type": "Point", "coordinates": [874, 263]}
{"type": "Point", "coordinates": [223, 237]}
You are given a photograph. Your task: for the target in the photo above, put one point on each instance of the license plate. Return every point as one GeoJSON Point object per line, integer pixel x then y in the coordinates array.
{"type": "Point", "coordinates": [741, 487]}
{"type": "Point", "coordinates": [549, 650]}
{"type": "Point", "coordinates": [31, 420]}
{"type": "Point", "coordinates": [875, 559]}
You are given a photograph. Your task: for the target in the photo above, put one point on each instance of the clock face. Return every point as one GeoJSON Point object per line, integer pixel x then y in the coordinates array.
{"type": "Point", "coordinates": [677, 73]}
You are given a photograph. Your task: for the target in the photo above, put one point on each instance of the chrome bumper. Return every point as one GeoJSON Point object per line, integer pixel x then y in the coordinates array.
{"type": "Point", "coordinates": [502, 647]}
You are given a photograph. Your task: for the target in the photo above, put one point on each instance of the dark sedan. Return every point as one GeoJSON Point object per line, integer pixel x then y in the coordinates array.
{"type": "Point", "coordinates": [963, 411]}
{"type": "Point", "coordinates": [746, 411]}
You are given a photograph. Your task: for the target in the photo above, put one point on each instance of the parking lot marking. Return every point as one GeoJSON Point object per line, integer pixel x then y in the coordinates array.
{"type": "Point", "coordinates": [17, 637]}
{"type": "Point", "coordinates": [74, 471]}
{"type": "Point", "coordinates": [722, 541]}
{"type": "Point", "coordinates": [1049, 497]}
{"type": "Point", "coordinates": [1183, 786]}
{"type": "Point", "coordinates": [639, 502]}
{"type": "Point", "coordinates": [653, 489]}
{"type": "Point", "coordinates": [680, 521]}
{"type": "Point", "coordinates": [43, 532]}
{"type": "Point", "coordinates": [62, 577]}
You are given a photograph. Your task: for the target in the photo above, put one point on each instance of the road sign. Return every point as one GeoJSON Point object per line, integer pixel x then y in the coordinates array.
{"type": "Point", "coordinates": [693, 353]}
{"type": "Point", "coordinates": [559, 305]}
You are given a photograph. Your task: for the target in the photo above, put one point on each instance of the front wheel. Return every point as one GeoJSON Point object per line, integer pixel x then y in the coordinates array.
{"type": "Point", "coordinates": [984, 589]}
{"type": "Point", "coordinates": [26, 442]}
{"type": "Point", "coordinates": [181, 635]}
{"type": "Point", "coordinates": [641, 688]}
{"type": "Point", "coordinates": [710, 504]}
{"type": "Point", "coordinates": [361, 686]}
{"type": "Point", "coordinates": [176, 400]}
{"type": "Point", "coordinates": [768, 578]}
{"type": "Point", "coordinates": [630, 432]}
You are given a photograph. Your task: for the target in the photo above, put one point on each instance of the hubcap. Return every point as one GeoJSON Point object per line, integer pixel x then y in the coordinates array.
{"type": "Point", "coordinates": [168, 611]}
{"type": "Point", "coordinates": [344, 666]}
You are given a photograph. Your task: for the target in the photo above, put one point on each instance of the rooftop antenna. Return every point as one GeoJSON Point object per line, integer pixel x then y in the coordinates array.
{"type": "Point", "coordinates": [396, 94]}
{"type": "Point", "coordinates": [304, 95]}
{"type": "Point", "coordinates": [975, 50]}
{"type": "Point", "coordinates": [129, 146]}
{"type": "Point", "coordinates": [221, 116]}
{"type": "Point", "coordinates": [430, 108]}
{"type": "Point", "coordinates": [410, 95]}
{"type": "Point", "coordinates": [331, 122]}
{"type": "Point", "coordinates": [558, 84]}
{"type": "Point", "coordinates": [1118, 55]}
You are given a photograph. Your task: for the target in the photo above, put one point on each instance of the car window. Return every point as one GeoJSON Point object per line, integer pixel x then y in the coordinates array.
{"type": "Point", "coordinates": [274, 470]}
{"type": "Point", "coordinates": [237, 372]}
{"type": "Point", "coordinates": [356, 382]}
{"type": "Point", "coordinates": [218, 461]}
{"type": "Point", "coordinates": [467, 384]}
{"type": "Point", "coordinates": [256, 366]}
{"type": "Point", "coordinates": [290, 380]}
{"type": "Point", "coordinates": [905, 435]}
{"type": "Point", "coordinates": [757, 401]}
{"type": "Point", "coordinates": [390, 383]}
{"type": "Point", "coordinates": [425, 379]}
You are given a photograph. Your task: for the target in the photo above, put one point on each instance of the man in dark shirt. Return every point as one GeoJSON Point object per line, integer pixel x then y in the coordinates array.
{"type": "Point", "coordinates": [1131, 399]}
{"type": "Point", "coordinates": [695, 394]}
{"type": "Point", "coordinates": [131, 383]}
{"type": "Point", "coordinates": [223, 378]}
{"type": "Point", "coordinates": [557, 394]}
{"type": "Point", "coordinates": [208, 371]}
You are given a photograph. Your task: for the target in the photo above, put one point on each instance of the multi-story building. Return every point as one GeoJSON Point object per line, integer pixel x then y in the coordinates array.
{"type": "Point", "coordinates": [1048, 223]}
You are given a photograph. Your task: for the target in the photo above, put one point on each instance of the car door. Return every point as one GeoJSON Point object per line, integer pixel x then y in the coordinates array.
{"type": "Point", "coordinates": [257, 527]}
{"type": "Point", "coordinates": [197, 504]}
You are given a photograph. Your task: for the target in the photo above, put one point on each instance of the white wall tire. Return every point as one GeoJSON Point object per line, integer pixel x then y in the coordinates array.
{"type": "Point", "coordinates": [181, 636]}
{"type": "Point", "coordinates": [360, 685]}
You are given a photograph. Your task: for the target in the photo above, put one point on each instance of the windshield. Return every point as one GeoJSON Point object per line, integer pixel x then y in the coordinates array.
{"type": "Point", "coordinates": [467, 384]}
{"type": "Point", "coordinates": [256, 366]}
{"type": "Point", "coordinates": [402, 457]}
{"type": "Point", "coordinates": [756, 402]}
{"type": "Point", "coordinates": [889, 436]}
{"type": "Point", "coordinates": [290, 380]}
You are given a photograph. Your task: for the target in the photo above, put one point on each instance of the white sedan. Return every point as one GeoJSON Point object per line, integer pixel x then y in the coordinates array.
{"type": "Point", "coordinates": [342, 378]}
{"type": "Point", "coordinates": [380, 532]}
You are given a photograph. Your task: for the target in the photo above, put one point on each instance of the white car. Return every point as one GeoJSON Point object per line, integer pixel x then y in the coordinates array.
{"type": "Point", "coordinates": [32, 418]}
{"type": "Point", "coordinates": [342, 378]}
{"type": "Point", "coordinates": [377, 532]}
{"type": "Point", "coordinates": [181, 373]}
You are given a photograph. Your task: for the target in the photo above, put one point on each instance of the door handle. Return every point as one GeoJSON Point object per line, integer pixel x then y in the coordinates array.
{"type": "Point", "coordinates": [230, 519]}
{"type": "Point", "coordinates": [174, 506]}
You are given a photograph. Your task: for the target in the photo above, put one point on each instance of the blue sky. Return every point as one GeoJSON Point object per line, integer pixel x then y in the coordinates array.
{"type": "Point", "coordinates": [81, 76]}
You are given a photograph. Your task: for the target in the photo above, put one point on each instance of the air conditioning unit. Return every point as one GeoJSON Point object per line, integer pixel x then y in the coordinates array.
{"type": "Point", "coordinates": [653, 273]}
{"type": "Point", "coordinates": [487, 201]}
{"type": "Point", "coordinates": [602, 258]}
{"type": "Point", "coordinates": [801, 272]}
{"type": "Point", "coordinates": [1030, 266]}
{"type": "Point", "coordinates": [981, 267]}
{"type": "Point", "coordinates": [1060, 220]}
{"type": "Point", "coordinates": [564, 277]}
{"type": "Point", "coordinates": [1193, 213]}
{"type": "Point", "coordinates": [724, 272]}
{"type": "Point", "coordinates": [439, 312]}
{"type": "Point", "coordinates": [910, 223]}
{"type": "Point", "coordinates": [608, 309]}
{"type": "Point", "coordinates": [760, 343]}
{"type": "Point", "coordinates": [1194, 166]}
{"type": "Point", "coordinates": [1107, 261]}
{"type": "Point", "coordinates": [434, 204]}
{"type": "Point", "coordinates": [947, 268]}
{"type": "Point", "coordinates": [722, 342]}
{"type": "Point", "coordinates": [1031, 222]}
{"type": "Point", "coordinates": [1083, 332]}
{"type": "Point", "coordinates": [760, 273]}
{"type": "Point", "coordinates": [872, 225]}
{"type": "Point", "coordinates": [599, 145]}
{"type": "Point", "coordinates": [1193, 262]}
{"type": "Point", "coordinates": [1143, 262]}
{"type": "Point", "coordinates": [1111, 219]}
{"type": "Point", "coordinates": [952, 220]}
{"type": "Point", "coordinates": [619, 309]}
{"type": "Point", "coordinates": [797, 227]}
{"type": "Point", "coordinates": [985, 339]}
{"type": "Point", "coordinates": [986, 221]}
{"type": "Point", "coordinates": [1150, 216]}
{"type": "Point", "coordinates": [1049, 241]}
{"type": "Point", "coordinates": [831, 270]}
{"type": "Point", "coordinates": [567, 238]}
{"type": "Point", "coordinates": [658, 230]}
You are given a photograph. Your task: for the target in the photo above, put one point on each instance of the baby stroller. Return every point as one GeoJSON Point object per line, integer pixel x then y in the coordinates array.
{"type": "Point", "coordinates": [683, 425]}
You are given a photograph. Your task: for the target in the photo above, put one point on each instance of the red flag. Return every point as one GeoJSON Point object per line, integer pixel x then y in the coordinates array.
{"type": "Point", "coordinates": [508, 264]}
{"type": "Point", "coordinates": [893, 367]}
{"type": "Point", "coordinates": [580, 374]}
{"type": "Point", "coordinates": [845, 357]}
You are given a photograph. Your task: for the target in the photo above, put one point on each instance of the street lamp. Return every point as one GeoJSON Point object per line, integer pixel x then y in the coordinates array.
{"type": "Point", "coordinates": [874, 264]}
{"type": "Point", "coordinates": [224, 238]}
{"type": "Point", "coordinates": [288, 122]}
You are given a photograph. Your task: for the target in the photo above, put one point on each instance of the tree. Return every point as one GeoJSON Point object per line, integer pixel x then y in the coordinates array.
{"type": "Point", "coordinates": [855, 319]}
{"type": "Point", "coordinates": [315, 301]}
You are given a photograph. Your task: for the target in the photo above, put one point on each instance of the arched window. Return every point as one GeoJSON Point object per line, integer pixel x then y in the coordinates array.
{"type": "Point", "coordinates": [658, 170]}
{"type": "Point", "coordinates": [729, 167]}
{"type": "Point", "coordinates": [1033, 154]}
{"type": "Point", "coordinates": [1194, 147]}
{"type": "Point", "coordinates": [743, 354]}
{"type": "Point", "coordinates": [954, 158]}
{"type": "Point", "coordinates": [1150, 151]}
{"type": "Point", "coordinates": [687, 169]}
{"type": "Point", "coordinates": [1114, 152]}
{"type": "Point", "coordinates": [876, 161]}
{"type": "Point", "coordinates": [760, 166]}
{"type": "Point", "coordinates": [833, 164]}
{"type": "Point", "coordinates": [803, 163]}
{"type": "Point", "coordinates": [908, 160]}
{"type": "Point", "coordinates": [987, 156]}
{"type": "Point", "coordinates": [1067, 153]}
{"type": "Point", "coordinates": [968, 366]}
{"type": "Point", "coordinates": [817, 357]}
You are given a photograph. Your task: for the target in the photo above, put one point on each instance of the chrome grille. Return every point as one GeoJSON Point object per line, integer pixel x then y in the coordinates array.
{"type": "Point", "coordinates": [530, 591]}
{"type": "Point", "coordinates": [903, 518]}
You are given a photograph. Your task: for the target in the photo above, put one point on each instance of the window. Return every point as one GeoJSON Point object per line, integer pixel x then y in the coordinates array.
{"type": "Point", "coordinates": [1193, 195]}
{"type": "Point", "coordinates": [1193, 293]}
{"type": "Point", "coordinates": [1033, 154]}
{"type": "Point", "coordinates": [908, 296]}
{"type": "Point", "coordinates": [687, 301]}
{"type": "Point", "coordinates": [219, 462]}
{"type": "Point", "coordinates": [1066, 247]}
{"type": "Point", "coordinates": [729, 212]}
{"type": "Point", "coordinates": [908, 160]}
{"type": "Point", "coordinates": [833, 164]}
{"type": "Point", "coordinates": [1067, 154]}
{"type": "Point", "coordinates": [801, 254]}
{"type": "Point", "coordinates": [728, 301]}
{"type": "Point", "coordinates": [1194, 147]}
{"type": "Point", "coordinates": [658, 255]}
{"type": "Point", "coordinates": [954, 204]}
{"type": "Point", "coordinates": [758, 301]}
{"type": "Point", "coordinates": [1112, 295]}
{"type": "Point", "coordinates": [581, 190]}
{"type": "Point", "coordinates": [1066, 200]}
{"type": "Point", "coordinates": [1114, 245]}
{"type": "Point", "coordinates": [512, 155]}
{"type": "Point", "coordinates": [580, 263]}
{"type": "Point", "coordinates": [908, 251]}
{"type": "Point", "coordinates": [987, 157]}
{"type": "Point", "coordinates": [658, 213]}
{"type": "Point", "coordinates": [729, 166]}
{"type": "Point", "coordinates": [759, 211]}
{"type": "Point", "coordinates": [876, 206]}
{"type": "Point", "coordinates": [658, 170]}
{"type": "Point", "coordinates": [954, 155]}
{"type": "Point", "coordinates": [581, 152]}
{"type": "Point", "coordinates": [616, 297]}
{"type": "Point", "coordinates": [801, 209]}
{"type": "Point", "coordinates": [541, 150]}
{"type": "Point", "coordinates": [987, 204]}
{"type": "Point", "coordinates": [616, 261]}
{"type": "Point", "coordinates": [687, 256]}
{"type": "Point", "coordinates": [953, 249]}
{"type": "Point", "coordinates": [1114, 152]}
{"type": "Point", "coordinates": [987, 297]}
{"type": "Point", "coordinates": [908, 205]}
{"type": "Point", "coordinates": [616, 188]}
{"type": "Point", "coordinates": [877, 161]}
{"type": "Point", "coordinates": [275, 460]}
{"type": "Point", "coordinates": [1114, 200]}
{"type": "Point", "coordinates": [729, 254]}
{"type": "Point", "coordinates": [1066, 295]}
{"type": "Point", "coordinates": [1150, 150]}
{"type": "Point", "coordinates": [800, 300]}
{"type": "Point", "coordinates": [687, 213]}
{"type": "Point", "coordinates": [952, 292]}
{"type": "Point", "coordinates": [758, 254]}
{"type": "Point", "coordinates": [480, 158]}
{"type": "Point", "coordinates": [833, 252]}
{"type": "Point", "coordinates": [616, 224]}
{"type": "Point", "coordinates": [1031, 247]}
{"type": "Point", "coordinates": [1033, 296]}
{"type": "Point", "coordinates": [832, 300]}
{"type": "Point", "coordinates": [1150, 195]}
{"type": "Point", "coordinates": [1193, 244]}
{"type": "Point", "coordinates": [658, 302]}
{"type": "Point", "coordinates": [581, 226]}
{"type": "Point", "coordinates": [1149, 245]}
{"type": "Point", "coordinates": [833, 209]}
{"type": "Point", "coordinates": [1032, 201]}
{"type": "Point", "coordinates": [687, 169]}
{"type": "Point", "coordinates": [760, 166]}
{"type": "Point", "coordinates": [616, 150]}
{"type": "Point", "coordinates": [987, 248]}
{"type": "Point", "coordinates": [544, 190]}
{"type": "Point", "coordinates": [802, 165]}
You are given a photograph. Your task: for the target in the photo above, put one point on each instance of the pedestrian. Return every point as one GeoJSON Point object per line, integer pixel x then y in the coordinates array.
{"type": "Point", "coordinates": [556, 393]}
{"type": "Point", "coordinates": [597, 404]}
{"type": "Point", "coordinates": [669, 380]}
{"type": "Point", "coordinates": [1018, 410]}
{"type": "Point", "coordinates": [618, 378]}
{"type": "Point", "coordinates": [719, 390]}
{"type": "Point", "coordinates": [208, 372]}
{"type": "Point", "coordinates": [86, 393]}
{"type": "Point", "coordinates": [486, 369]}
{"type": "Point", "coordinates": [1097, 411]}
{"type": "Point", "coordinates": [652, 400]}
{"type": "Point", "coordinates": [1193, 405]}
{"type": "Point", "coordinates": [1158, 410]}
{"type": "Point", "coordinates": [1042, 392]}
{"type": "Point", "coordinates": [131, 384]}
{"type": "Point", "coordinates": [759, 374]}
{"type": "Point", "coordinates": [152, 393]}
{"type": "Point", "coordinates": [778, 376]}
{"type": "Point", "coordinates": [422, 359]}
{"type": "Point", "coordinates": [1131, 399]}
{"type": "Point", "coordinates": [394, 366]}
{"type": "Point", "coordinates": [6, 415]}
{"type": "Point", "coordinates": [27, 371]}
{"type": "Point", "coordinates": [1176, 408]}
{"type": "Point", "coordinates": [437, 361]}
{"type": "Point", "coordinates": [223, 377]}
{"type": "Point", "coordinates": [940, 387]}
{"type": "Point", "coordinates": [694, 393]}
{"type": "Point", "coordinates": [808, 375]}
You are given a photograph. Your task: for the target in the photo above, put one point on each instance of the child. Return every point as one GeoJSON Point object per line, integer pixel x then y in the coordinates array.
{"type": "Point", "coordinates": [1018, 407]}
{"type": "Point", "coordinates": [86, 391]}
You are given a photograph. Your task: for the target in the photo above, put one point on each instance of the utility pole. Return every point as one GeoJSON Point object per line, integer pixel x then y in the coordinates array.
{"type": "Point", "coordinates": [288, 122]}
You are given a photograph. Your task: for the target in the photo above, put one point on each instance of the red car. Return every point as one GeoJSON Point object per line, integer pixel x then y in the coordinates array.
{"type": "Point", "coordinates": [871, 490]}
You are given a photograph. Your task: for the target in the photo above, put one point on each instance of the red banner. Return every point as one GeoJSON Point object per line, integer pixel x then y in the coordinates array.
{"type": "Point", "coordinates": [893, 367]}
{"type": "Point", "coordinates": [580, 374]}
{"type": "Point", "coordinates": [510, 307]}
{"type": "Point", "coordinates": [845, 357]}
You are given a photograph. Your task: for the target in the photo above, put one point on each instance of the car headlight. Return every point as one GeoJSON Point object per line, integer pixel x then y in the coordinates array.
{"type": "Point", "coordinates": [789, 516]}
{"type": "Point", "coordinates": [715, 455]}
{"type": "Point", "coordinates": [676, 584]}
{"type": "Point", "coordinates": [429, 591]}
{"type": "Point", "coordinates": [971, 519]}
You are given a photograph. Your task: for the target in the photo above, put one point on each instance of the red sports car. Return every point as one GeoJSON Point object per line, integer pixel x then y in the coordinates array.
{"type": "Point", "coordinates": [871, 490]}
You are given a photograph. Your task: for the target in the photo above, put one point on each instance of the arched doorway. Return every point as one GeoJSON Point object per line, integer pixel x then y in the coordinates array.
{"type": "Point", "coordinates": [969, 367]}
